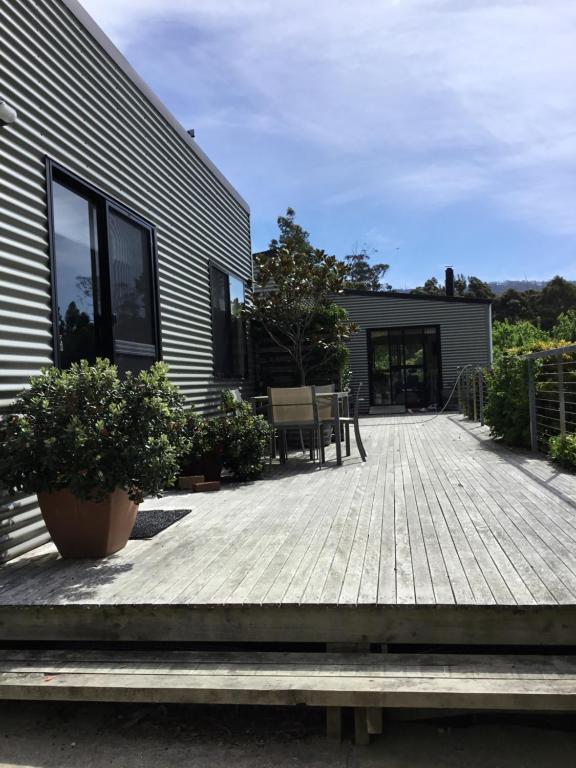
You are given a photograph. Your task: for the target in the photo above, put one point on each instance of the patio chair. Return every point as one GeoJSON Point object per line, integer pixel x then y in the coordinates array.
{"type": "Point", "coordinates": [347, 420]}
{"type": "Point", "coordinates": [324, 410]}
{"type": "Point", "coordinates": [293, 408]}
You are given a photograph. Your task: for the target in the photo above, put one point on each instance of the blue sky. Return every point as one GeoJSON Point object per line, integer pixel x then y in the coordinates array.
{"type": "Point", "coordinates": [435, 131]}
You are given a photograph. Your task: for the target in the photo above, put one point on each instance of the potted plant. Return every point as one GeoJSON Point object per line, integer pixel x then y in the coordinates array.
{"type": "Point", "coordinates": [246, 439]}
{"type": "Point", "coordinates": [234, 439]}
{"type": "Point", "coordinates": [92, 446]}
{"type": "Point", "coordinates": [205, 447]}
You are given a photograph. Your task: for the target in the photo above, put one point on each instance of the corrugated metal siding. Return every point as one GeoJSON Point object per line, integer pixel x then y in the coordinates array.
{"type": "Point", "coordinates": [77, 105]}
{"type": "Point", "coordinates": [465, 336]}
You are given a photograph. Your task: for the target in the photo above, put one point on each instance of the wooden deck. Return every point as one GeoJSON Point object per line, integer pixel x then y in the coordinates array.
{"type": "Point", "coordinates": [441, 536]}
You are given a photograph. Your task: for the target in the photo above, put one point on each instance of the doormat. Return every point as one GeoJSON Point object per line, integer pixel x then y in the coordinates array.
{"type": "Point", "coordinates": [149, 522]}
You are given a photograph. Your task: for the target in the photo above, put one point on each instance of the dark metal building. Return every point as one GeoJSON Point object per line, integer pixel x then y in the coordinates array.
{"type": "Point", "coordinates": [118, 236]}
{"type": "Point", "coordinates": [408, 347]}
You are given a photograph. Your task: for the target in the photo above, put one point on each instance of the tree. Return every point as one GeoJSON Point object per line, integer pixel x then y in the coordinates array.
{"type": "Point", "coordinates": [460, 285]}
{"type": "Point", "coordinates": [294, 304]}
{"type": "Point", "coordinates": [432, 287]}
{"type": "Point", "coordinates": [363, 275]}
{"type": "Point", "coordinates": [557, 296]}
{"type": "Point", "coordinates": [565, 328]}
{"type": "Point", "coordinates": [471, 287]}
{"type": "Point", "coordinates": [478, 289]}
{"type": "Point", "coordinates": [515, 306]}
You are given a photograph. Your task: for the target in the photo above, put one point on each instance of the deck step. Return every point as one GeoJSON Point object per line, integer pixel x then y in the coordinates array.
{"type": "Point", "coordinates": [316, 679]}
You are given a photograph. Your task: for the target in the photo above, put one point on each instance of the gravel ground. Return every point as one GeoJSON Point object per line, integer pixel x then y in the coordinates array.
{"type": "Point", "coordinates": [34, 735]}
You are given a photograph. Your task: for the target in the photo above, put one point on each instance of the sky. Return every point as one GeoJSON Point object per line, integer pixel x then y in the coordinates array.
{"type": "Point", "coordinates": [431, 132]}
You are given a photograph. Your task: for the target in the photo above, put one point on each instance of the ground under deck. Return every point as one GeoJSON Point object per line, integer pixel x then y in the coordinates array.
{"type": "Point", "coordinates": [440, 537]}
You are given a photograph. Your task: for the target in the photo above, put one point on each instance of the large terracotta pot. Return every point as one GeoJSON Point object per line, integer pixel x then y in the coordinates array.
{"type": "Point", "coordinates": [88, 528]}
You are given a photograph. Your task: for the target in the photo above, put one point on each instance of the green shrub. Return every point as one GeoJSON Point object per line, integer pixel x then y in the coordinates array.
{"type": "Point", "coordinates": [507, 409]}
{"type": "Point", "coordinates": [86, 430]}
{"type": "Point", "coordinates": [239, 437]}
{"type": "Point", "coordinates": [247, 440]}
{"type": "Point", "coordinates": [563, 449]}
{"type": "Point", "coordinates": [507, 335]}
{"type": "Point", "coordinates": [565, 328]}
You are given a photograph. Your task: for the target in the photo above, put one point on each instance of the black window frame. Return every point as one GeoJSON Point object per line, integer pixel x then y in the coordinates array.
{"type": "Point", "coordinates": [56, 172]}
{"type": "Point", "coordinates": [228, 373]}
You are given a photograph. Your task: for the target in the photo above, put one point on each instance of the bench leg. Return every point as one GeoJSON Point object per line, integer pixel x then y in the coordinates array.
{"type": "Point", "coordinates": [361, 736]}
{"type": "Point", "coordinates": [334, 723]}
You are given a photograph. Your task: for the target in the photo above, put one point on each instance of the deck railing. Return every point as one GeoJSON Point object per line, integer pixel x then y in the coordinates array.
{"type": "Point", "coordinates": [472, 392]}
{"type": "Point", "coordinates": [551, 394]}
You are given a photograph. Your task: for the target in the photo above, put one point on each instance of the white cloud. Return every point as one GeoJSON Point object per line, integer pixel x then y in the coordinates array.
{"type": "Point", "coordinates": [437, 100]}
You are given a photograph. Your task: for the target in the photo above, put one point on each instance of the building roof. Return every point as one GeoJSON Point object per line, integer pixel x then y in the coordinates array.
{"type": "Point", "coordinates": [417, 296]}
{"type": "Point", "coordinates": [104, 41]}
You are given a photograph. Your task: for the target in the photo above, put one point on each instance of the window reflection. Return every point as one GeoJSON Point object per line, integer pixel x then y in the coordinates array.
{"type": "Point", "coordinates": [130, 280]}
{"type": "Point", "coordinates": [76, 247]}
{"type": "Point", "coordinates": [228, 330]}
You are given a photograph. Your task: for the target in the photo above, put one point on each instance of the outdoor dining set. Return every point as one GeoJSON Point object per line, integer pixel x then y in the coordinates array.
{"type": "Point", "coordinates": [319, 412]}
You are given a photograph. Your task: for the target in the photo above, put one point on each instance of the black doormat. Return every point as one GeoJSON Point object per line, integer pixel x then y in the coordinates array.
{"type": "Point", "coordinates": [149, 522]}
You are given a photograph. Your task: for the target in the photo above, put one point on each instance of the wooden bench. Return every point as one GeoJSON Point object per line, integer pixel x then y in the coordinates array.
{"type": "Point", "coordinates": [367, 682]}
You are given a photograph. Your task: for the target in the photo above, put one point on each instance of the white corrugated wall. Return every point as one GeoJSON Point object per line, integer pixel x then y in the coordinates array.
{"type": "Point", "coordinates": [465, 336]}
{"type": "Point", "coordinates": [79, 104]}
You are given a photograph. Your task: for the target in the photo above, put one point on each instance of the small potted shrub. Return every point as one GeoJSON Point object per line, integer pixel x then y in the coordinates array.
{"type": "Point", "coordinates": [92, 446]}
{"type": "Point", "coordinates": [205, 447]}
{"type": "Point", "coordinates": [247, 439]}
{"type": "Point", "coordinates": [234, 439]}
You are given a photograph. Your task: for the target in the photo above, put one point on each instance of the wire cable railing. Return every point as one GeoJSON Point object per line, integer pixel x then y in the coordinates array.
{"type": "Point", "coordinates": [472, 392]}
{"type": "Point", "coordinates": [551, 394]}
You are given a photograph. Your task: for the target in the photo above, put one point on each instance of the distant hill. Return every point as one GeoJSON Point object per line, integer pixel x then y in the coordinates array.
{"type": "Point", "coordinates": [517, 285]}
{"type": "Point", "coordinates": [501, 287]}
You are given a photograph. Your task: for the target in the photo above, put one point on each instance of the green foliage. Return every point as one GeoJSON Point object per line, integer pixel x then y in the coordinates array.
{"type": "Point", "coordinates": [507, 335]}
{"type": "Point", "coordinates": [239, 437]}
{"type": "Point", "coordinates": [247, 440]}
{"type": "Point", "coordinates": [541, 307]}
{"type": "Point", "coordinates": [432, 287]}
{"type": "Point", "coordinates": [558, 296]}
{"type": "Point", "coordinates": [329, 357]}
{"type": "Point", "coordinates": [562, 449]}
{"type": "Point", "coordinates": [471, 287]}
{"type": "Point", "coordinates": [478, 289]}
{"type": "Point", "coordinates": [204, 436]}
{"type": "Point", "coordinates": [86, 430]}
{"type": "Point", "coordinates": [293, 309]}
{"type": "Point", "coordinates": [565, 328]}
{"type": "Point", "coordinates": [364, 276]}
{"type": "Point", "coordinates": [507, 409]}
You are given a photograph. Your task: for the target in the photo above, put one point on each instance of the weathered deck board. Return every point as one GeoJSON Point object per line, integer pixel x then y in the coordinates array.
{"type": "Point", "coordinates": [438, 515]}
{"type": "Point", "coordinates": [357, 680]}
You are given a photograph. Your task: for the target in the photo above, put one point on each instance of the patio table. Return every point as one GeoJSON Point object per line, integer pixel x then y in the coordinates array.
{"type": "Point", "coordinates": [340, 406]}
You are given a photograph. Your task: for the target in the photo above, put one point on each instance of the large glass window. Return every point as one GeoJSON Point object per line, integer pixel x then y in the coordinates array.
{"type": "Point", "coordinates": [105, 282]}
{"type": "Point", "coordinates": [228, 329]}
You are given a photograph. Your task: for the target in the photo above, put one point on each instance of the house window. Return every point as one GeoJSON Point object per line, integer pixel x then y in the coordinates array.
{"type": "Point", "coordinates": [228, 330]}
{"type": "Point", "coordinates": [104, 278]}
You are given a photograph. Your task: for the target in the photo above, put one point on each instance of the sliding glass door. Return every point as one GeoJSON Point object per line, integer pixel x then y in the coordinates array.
{"type": "Point", "coordinates": [405, 367]}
